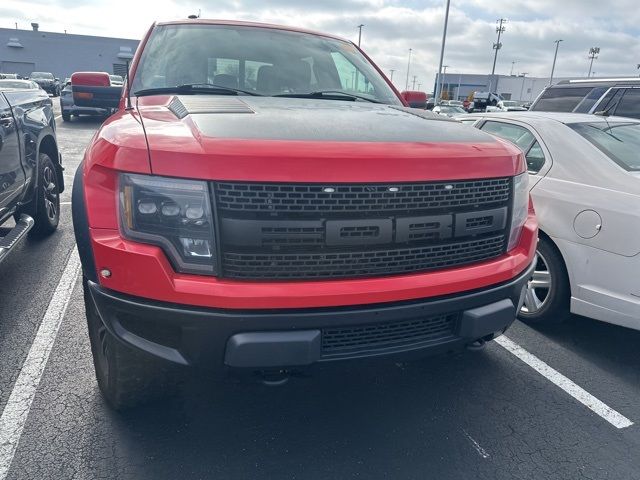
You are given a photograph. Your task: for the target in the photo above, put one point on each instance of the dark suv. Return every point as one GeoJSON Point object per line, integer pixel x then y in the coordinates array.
{"type": "Point", "coordinates": [47, 82]}
{"type": "Point", "coordinates": [617, 96]}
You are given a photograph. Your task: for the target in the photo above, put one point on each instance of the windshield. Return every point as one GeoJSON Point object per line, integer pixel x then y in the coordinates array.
{"type": "Point", "coordinates": [261, 61]}
{"type": "Point", "coordinates": [619, 141]}
{"type": "Point", "coordinates": [451, 109]}
{"type": "Point", "coordinates": [42, 75]}
{"type": "Point", "coordinates": [16, 84]}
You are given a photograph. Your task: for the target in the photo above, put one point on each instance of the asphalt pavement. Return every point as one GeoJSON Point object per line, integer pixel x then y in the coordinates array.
{"type": "Point", "coordinates": [492, 414]}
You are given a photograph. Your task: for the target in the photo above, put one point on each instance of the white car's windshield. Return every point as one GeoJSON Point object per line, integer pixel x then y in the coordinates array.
{"type": "Point", "coordinates": [257, 61]}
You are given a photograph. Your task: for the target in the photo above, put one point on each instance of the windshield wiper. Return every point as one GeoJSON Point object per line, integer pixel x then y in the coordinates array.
{"type": "Point", "coordinates": [321, 94]}
{"type": "Point", "coordinates": [195, 88]}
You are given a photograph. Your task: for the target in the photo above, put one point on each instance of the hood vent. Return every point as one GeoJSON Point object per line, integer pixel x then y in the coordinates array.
{"type": "Point", "coordinates": [184, 105]}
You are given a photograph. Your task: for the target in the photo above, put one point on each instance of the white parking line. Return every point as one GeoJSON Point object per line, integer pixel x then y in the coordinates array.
{"type": "Point", "coordinates": [16, 411]}
{"type": "Point", "coordinates": [59, 116]}
{"type": "Point", "coordinates": [481, 451]}
{"type": "Point", "coordinates": [609, 414]}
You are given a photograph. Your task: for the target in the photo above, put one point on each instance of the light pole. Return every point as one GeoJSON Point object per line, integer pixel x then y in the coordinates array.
{"type": "Point", "coordinates": [555, 55]}
{"type": "Point", "coordinates": [406, 87]}
{"type": "Point", "coordinates": [360, 33]}
{"type": "Point", "coordinates": [444, 78]}
{"type": "Point", "coordinates": [524, 74]}
{"type": "Point", "coordinates": [593, 54]}
{"type": "Point", "coordinates": [512, 64]}
{"type": "Point", "coordinates": [497, 46]}
{"type": "Point", "coordinates": [419, 85]}
{"type": "Point", "coordinates": [391, 78]}
{"type": "Point", "coordinates": [414, 82]}
{"type": "Point", "coordinates": [458, 91]}
{"type": "Point", "coordinates": [444, 39]}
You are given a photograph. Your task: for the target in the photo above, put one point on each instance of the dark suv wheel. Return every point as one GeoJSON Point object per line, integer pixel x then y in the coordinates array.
{"type": "Point", "coordinates": [45, 206]}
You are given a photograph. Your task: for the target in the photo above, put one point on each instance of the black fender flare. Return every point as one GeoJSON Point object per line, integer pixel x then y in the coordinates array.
{"type": "Point", "coordinates": [81, 226]}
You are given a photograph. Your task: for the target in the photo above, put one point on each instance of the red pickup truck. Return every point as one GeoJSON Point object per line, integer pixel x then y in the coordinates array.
{"type": "Point", "coordinates": [264, 200]}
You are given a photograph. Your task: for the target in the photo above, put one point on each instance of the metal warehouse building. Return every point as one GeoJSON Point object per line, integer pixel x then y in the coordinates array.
{"type": "Point", "coordinates": [459, 86]}
{"type": "Point", "coordinates": [26, 51]}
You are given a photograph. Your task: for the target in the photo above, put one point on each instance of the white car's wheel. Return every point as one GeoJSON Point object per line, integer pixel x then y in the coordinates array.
{"type": "Point", "coordinates": [547, 296]}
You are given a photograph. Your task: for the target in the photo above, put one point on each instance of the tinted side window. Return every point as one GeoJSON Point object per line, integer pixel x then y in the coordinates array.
{"type": "Point", "coordinates": [561, 99]}
{"type": "Point", "coordinates": [590, 100]}
{"type": "Point", "coordinates": [629, 105]}
{"type": "Point", "coordinates": [535, 158]}
{"type": "Point", "coordinates": [520, 136]}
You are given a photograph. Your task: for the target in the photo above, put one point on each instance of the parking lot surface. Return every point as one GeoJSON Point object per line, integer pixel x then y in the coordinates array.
{"type": "Point", "coordinates": [485, 415]}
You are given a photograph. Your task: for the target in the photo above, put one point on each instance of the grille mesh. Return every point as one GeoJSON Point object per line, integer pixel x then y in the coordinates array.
{"type": "Point", "coordinates": [369, 339]}
{"type": "Point", "coordinates": [359, 263]}
{"type": "Point", "coordinates": [312, 198]}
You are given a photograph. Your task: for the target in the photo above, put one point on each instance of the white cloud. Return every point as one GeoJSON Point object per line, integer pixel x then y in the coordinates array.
{"type": "Point", "coordinates": [391, 28]}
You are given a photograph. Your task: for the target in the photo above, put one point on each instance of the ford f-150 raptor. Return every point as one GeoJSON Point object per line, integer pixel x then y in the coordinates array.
{"type": "Point", "coordinates": [264, 200]}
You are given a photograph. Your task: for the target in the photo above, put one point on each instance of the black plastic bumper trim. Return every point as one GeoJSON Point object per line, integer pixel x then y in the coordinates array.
{"type": "Point", "coordinates": [205, 333]}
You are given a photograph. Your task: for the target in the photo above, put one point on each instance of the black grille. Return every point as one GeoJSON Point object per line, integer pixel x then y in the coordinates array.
{"type": "Point", "coordinates": [370, 198]}
{"type": "Point", "coordinates": [370, 339]}
{"type": "Point", "coordinates": [369, 262]}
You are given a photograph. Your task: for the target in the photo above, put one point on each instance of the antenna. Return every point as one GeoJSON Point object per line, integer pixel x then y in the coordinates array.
{"type": "Point", "coordinates": [128, 107]}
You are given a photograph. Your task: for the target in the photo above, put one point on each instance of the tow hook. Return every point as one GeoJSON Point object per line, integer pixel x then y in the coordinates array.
{"type": "Point", "coordinates": [477, 345]}
{"type": "Point", "coordinates": [275, 378]}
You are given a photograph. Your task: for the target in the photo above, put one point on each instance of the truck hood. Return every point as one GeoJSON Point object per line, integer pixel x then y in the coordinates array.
{"type": "Point", "coordinates": [304, 140]}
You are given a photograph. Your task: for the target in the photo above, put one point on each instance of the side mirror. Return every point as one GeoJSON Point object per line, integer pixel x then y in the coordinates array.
{"type": "Point", "coordinates": [415, 99]}
{"type": "Point", "coordinates": [93, 89]}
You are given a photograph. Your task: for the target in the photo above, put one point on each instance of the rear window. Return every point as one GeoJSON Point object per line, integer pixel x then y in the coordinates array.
{"type": "Point", "coordinates": [619, 141]}
{"type": "Point", "coordinates": [44, 75]}
{"type": "Point", "coordinates": [561, 99]}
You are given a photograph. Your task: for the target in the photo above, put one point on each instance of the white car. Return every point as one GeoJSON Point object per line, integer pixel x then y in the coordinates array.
{"type": "Point", "coordinates": [449, 110]}
{"type": "Point", "coordinates": [585, 185]}
{"type": "Point", "coordinates": [510, 106]}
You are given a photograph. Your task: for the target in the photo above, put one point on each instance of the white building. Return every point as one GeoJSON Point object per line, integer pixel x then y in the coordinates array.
{"type": "Point", "coordinates": [459, 86]}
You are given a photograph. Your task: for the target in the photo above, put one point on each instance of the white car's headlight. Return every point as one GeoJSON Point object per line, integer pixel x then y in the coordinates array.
{"type": "Point", "coordinates": [520, 209]}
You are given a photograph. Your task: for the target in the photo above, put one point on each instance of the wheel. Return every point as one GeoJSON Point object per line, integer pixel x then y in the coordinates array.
{"type": "Point", "coordinates": [45, 206]}
{"type": "Point", "coordinates": [548, 293]}
{"type": "Point", "coordinates": [126, 378]}
{"type": "Point", "coordinates": [66, 117]}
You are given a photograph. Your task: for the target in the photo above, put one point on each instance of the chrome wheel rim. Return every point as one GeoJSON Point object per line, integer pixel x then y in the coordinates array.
{"type": "Point", "coordinates": [50, 193]}
{"type": "Point", "coordinates": [538, 288]}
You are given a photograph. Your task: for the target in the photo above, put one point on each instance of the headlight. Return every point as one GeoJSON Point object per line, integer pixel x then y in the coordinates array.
{"type": "Point", "coordinates": [520, 208]}
{"type": "Point", "coordinates": [173, 214]}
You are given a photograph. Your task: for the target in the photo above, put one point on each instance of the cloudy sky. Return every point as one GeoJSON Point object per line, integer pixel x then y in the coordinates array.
{"type": "Point", "coordinates": [391, 28]}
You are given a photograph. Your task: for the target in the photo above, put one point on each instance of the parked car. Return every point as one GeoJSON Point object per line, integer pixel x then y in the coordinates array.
{"type": "Point", "coordinates": [30, 178]}
{"type": "Point", "coordinates": [6, 84]}
{"type": "Point", "coordinates": [585, 184]}
{"type": "Point", "coordinates": [299, 221]}
{"type": "Point", "coordinates": [453, 103]}
{"type": "Point", "coordinates": [616, 96]}
{"type": "Point", "coordinates": [69, 109]}
{"type": "Point", "coordinates": [482, 100]}
{"type": "Point", "coordinates": [116, 80]}
{"type": "Point", "coordinates": [448, 110]}
{"type": "Point", "coordinates": [9, 76]}
{"type": "Point", "coordinates": [509, 106]}
{"type": "Point", "coordinates": [47, 81]}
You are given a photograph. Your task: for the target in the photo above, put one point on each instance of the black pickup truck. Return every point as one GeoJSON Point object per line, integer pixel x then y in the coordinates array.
{"type": "Point", "coordinates": [30, 167]}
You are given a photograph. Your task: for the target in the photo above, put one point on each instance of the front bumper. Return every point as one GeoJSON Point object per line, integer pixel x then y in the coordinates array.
{"type": "Point", "coordinates": [276, 339]}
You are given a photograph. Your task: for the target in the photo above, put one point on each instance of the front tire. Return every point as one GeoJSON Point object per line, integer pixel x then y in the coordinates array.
{"type": "Point", "coordinates": [548, 292]}
{"type": "Point", "coordinates": [126, 378]}
{"type": "Point", "coordinates": [45, 206]}
{"type": "Point", "coordinates": [66, 117]}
